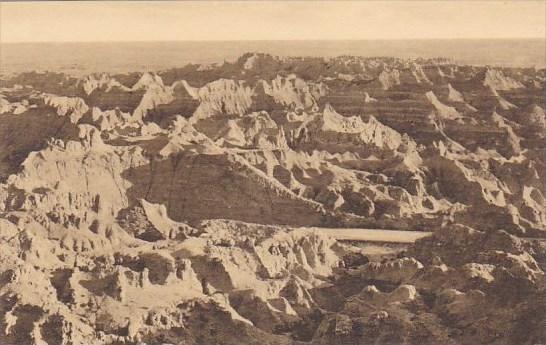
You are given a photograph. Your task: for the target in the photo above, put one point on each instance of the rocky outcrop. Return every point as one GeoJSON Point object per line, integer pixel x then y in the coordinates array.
{"type": "Point", "coordinates": [15, 108]}
{"type": "Point", "coordinates": [223, 97]}
{"type": "Point", "coordinates": [513, 138]}
{"type": "Point", "coordinates": [109, 119]}
{"type": "Point", "coordinates": [497, 80]}
{"type": "Point", "coordinates": [325, 128]}
{"type": "Point", "coordinates": [294, 91]}
{"type": "Point", "coordinates": [72, 107]}
{"type": "Point", "coordinates": [73, 178]}
{"type": "Point", "coordinates": [388, 79]}
{"type": "Point", "coordinates": [256, 130]}
{"type": "Point", "coordinates": [443, 111]}
{"type": "Point", "coordinates": [454, 95]}
{"type": "Point", "coordinates": [103, 82]}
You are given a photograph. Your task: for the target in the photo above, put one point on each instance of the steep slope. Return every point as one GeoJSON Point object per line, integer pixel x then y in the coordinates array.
{"type": "Point", "coordinates": [188, 186]}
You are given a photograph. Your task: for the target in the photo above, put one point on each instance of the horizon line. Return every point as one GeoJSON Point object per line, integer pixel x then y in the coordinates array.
{"type": "Point", "coordinates": [290, 40]}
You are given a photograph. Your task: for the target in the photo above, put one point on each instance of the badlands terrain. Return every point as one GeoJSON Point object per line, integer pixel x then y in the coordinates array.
{"type": "Point", "coordinates": [202, 205]}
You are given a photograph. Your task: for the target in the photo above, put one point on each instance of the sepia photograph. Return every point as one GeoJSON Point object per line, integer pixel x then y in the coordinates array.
{"type": "Point", "coordinates": [272, 172]}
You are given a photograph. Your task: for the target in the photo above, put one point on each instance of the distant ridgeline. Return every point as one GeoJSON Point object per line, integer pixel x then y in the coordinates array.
{"type": "Point", "coordinates": [122, 57]}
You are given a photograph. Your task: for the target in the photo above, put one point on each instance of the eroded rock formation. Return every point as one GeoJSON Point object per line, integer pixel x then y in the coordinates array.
{"type": "Point", "coordinates": [175, 207]}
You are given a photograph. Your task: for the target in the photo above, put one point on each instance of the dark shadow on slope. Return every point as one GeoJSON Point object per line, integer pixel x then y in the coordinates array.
{"type": "Point", "coordinates": [27, 132]}
{"type": "Point", "coordinates": [196, 187]}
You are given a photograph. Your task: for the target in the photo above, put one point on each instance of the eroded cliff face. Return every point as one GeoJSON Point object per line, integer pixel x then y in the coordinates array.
{"type": "Point", "coordinates": [200, 184]}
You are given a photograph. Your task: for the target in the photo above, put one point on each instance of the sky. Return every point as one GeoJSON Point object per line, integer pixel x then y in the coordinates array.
{"type": "Point", "coordinates": [269, 20]}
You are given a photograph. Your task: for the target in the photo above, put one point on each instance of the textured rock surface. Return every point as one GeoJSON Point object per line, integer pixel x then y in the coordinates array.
{"type": "Point", "coordinates": [176, 207]}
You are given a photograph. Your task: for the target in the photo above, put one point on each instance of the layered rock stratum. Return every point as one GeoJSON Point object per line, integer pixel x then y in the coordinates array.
{"type": "Point", "coordinates": [185, 206]}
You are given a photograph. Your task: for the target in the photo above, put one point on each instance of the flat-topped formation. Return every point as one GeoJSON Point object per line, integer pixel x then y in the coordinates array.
{"type": "Point", "coordinates": [374, 235]}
